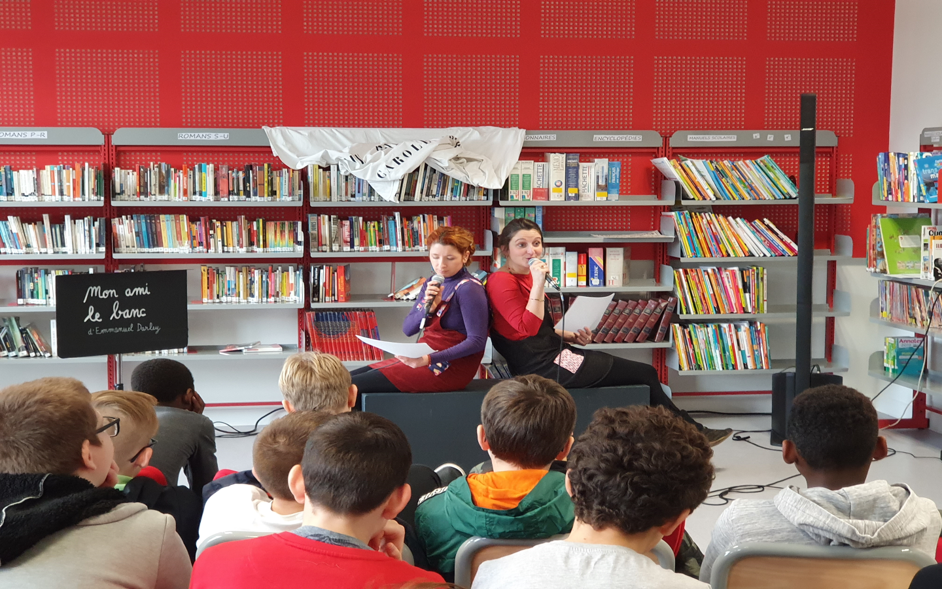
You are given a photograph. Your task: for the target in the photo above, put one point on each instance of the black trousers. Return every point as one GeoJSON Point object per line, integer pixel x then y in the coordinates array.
{"type": "Point", "coordinates": [627, 372]}
{"type": "Point", "coordinates": [371, 380]}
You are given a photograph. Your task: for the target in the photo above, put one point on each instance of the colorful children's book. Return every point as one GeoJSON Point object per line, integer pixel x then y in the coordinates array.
{"type": "Point", "coordinates": [902, 241]}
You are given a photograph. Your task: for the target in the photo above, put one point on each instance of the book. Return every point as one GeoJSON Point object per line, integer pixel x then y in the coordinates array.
{"type": "Point", "coordinates": [556, 260]}
{"type": "Point", "coordinates": [620, 321]}
{"type": "Point", "coordinates": [615, 267]}
{"type": "Point", "coordinates": [902, 241]}
{"type": "Point", "coordinates": [666, 319]}
{"type": "Point", "coordinates": [410, 291]}
{"type": "Point", "coordinates": [526, 180]}
{"type": "Point", "coordinates": [614, 179]}
{"type": "Point", "coordinates": [557, 175]}
{"type": "Point", "coordinates": [513, 182]}
{"type": "Point", "coordinates": [596, 267]}
{"type": "Point", "coordinates": [629, 323]}
{"type": "Point", "coordinates": [608, 323]}
{"type": "Point", "coordinates": [586, 181]}
{"type": "Point", "coordinates": [927, 169]}
{"type": "Point", "coordinates": [572, 176]}
{"type": "Point", "coordinates": [572, 269]}
{"type": "Point", "coordinates": [652, 321]}
{"type": "Point", "coordinates": [605, 315]}
{"type": "Point", "coordinates": [931, 252]}
{"type": "Point", "coordinates": [904, 355]}
{"type": "Point", "coordinates": [641, 321]}
{"type": "Point", "coordinates": [581, 270]}
{"type": "Point", "coordinates": [601, 179]}
{"type": "Point", "coordinates": [540, 181]}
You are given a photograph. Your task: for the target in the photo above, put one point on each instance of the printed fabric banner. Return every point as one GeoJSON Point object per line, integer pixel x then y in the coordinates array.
{"type": "Point", "coordinates": [482, 156]}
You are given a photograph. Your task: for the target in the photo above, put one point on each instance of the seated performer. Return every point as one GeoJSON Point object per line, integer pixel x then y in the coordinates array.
{"type": "Point", "coordinates": [455, 327]}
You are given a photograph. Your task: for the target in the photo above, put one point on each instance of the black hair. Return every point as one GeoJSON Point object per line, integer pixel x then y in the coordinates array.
{"type": "Point", "coordinates": [354, 461]}
{"type": "Point", "coordinates": [165, 379]}
{"type": "Point", "coordinates": [511, 229]}
{"type": "Point", "coordinates": [833, 427]}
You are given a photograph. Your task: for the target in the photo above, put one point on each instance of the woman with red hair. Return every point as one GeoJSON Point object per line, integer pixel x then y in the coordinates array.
{"type": "Point", "coordinates": [456, 327]}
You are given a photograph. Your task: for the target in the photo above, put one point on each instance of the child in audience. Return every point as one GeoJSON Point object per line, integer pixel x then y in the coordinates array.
{"type": "Point", "coordinates": [133, 449]}
{"type": "Point", "coordinates": [526, 424]}
{"type": "Point", "coordinates": [352, 481]}
{"type": "Point", "coordinates": [186, 438]}
{"type": "Point", "coordinates": [247, 508]}
{"type": "Point", "coordinates": [63, 523]}
{"type": "Point", "coordinates": [309, 381]}
{"type": "Point", "coordinates": [634, 476]}
{"type": "Point", "coordinates": [832, 437]}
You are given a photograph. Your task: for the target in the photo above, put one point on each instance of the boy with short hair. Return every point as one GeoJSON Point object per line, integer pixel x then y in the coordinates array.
{"type": "Point", "coordinates": [635, 475]}
{"type": "Point", "coordinates": [187, 439]}
{"type": "Point", "coordinates": [352, 481]}
{"type": "Point", "coordinates": [138, 480]}
{"type": "Point", "coordinates": [312, 381]}
{"type": "Point", "coordinates": [832, 437]}
{"type": "Point", "coordinates": [526, 424]}
{"type": "Point", "coordinates": [63, 522]}
{"type": "Point", "coordinates": [247, 508]}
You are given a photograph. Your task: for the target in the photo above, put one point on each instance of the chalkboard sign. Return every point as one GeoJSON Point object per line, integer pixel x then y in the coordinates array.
{"type": "Point", "coordinates": [98, 314]}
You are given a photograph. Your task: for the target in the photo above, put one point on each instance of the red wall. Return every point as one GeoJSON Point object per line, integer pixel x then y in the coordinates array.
{"type": "Point", "coordinates": [552, 64]}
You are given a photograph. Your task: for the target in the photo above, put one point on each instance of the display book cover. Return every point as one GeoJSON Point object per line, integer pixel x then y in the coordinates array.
{"type": "Point", "coordinates": [902, 240]}
{"type": "Point", "coordinates": [334, 332]}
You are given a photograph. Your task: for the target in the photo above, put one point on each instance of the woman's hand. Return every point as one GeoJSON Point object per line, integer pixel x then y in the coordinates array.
{"type": "Point", "coordinates": [389, 540]}
{"type": "Point", "coordinates": [581, 338]}
{"type": "Point", "coordinates": [433, 292]}
{"type": "Point", "coordinates": [538, 271]}
{"type": "Point", "coordinates": [415, 362]}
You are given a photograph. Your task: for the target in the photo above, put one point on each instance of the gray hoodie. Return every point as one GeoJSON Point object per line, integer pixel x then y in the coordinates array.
{"type": "Point", "coordinates": [862, 516]}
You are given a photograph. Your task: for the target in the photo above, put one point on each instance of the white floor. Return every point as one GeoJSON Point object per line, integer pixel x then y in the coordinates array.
{"type": "Point", "coordinates": [738, 463]}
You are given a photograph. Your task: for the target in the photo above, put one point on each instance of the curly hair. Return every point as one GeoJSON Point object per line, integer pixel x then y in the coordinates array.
{"type": "Point", "coordinates": [637, 468]}
{"type": "Point", "coordinates": [457, 237]}
{"type": "Point", "coordinates": [162, 378]}
{"type": "Point", "coordinates": [528, 420]}
{"type": "Point", "coordinates": [833, 427]}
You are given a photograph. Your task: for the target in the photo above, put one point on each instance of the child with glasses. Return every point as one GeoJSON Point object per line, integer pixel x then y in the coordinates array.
{"type": "Point", "coordinates": [133, 431]}
{"type": "Point", "coordinates": [62, 523]}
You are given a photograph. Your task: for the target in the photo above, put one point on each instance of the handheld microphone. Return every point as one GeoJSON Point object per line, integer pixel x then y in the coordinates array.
{"type": "Point", "coordinates": [439, 280]}
{"type": "Point", "coordinates": [550, 279]}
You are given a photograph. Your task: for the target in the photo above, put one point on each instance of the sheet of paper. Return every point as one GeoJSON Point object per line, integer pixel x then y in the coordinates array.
{"type": "Point", "coordinates": [585, 312]}
{"type": "Point", "coordinates": [399, 349]}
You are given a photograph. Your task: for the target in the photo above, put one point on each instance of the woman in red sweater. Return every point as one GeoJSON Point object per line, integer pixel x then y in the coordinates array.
{"type": "Point", "coordinates": [524, 335]}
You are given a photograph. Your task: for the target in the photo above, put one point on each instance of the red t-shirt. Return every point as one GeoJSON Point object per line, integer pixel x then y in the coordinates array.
{"type": "Point", "coordinates": [509, 295]}
{"type": "Point", "coordinates": [288, 560]}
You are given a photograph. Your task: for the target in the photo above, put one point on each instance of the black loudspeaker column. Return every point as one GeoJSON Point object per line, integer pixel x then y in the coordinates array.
{"type": "Point", "coordinates": [786, 385]}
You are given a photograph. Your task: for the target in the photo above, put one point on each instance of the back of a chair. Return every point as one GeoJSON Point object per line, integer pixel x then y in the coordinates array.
{"type": "Point", "coordinates": [784, 566]}
{"type": "Point", "coordinates": [222, 537]}
{"type": "Point", "coordinates": [477, 550]}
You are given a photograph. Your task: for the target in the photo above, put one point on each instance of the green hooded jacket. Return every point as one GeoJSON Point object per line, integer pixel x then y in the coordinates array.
{"type": "Point", "coordinates": [446, 517]}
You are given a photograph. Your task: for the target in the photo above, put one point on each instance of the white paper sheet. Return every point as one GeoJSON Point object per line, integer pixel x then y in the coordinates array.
{"type": "Point", "coordinates": [399, 349]}
{"type": "Point", "coordinates": [585, 312]}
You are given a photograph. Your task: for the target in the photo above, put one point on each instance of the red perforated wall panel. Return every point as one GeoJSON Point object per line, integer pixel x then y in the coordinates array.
{"type": "Point", "coordinates": [565, 64]}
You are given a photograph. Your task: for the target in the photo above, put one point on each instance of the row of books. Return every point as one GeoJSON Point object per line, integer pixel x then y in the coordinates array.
{"type": "Point", "coordinates": [206, 182]}
{"type": "Point", "coordinates": [908, 304]}
{"type": "Point", "coordinates": [249, 284]}
{"type": "Point", "coordinates": [425, 183]}
{"type": "Point", "coordinates": [330, 284]}
{"type": "Point", "coordinates": [22, 342]}
{"type": "Point", "coordinates": [81, 182]}
{"type": "Point", "coordinates": [500, 216]}
{"type": "Point", "coordinates": [908, 177]}
{"type": "Point", "coordinates": [334, 332]}
{"type": "Point", "coordinates": [178, 234]}
{"type": "Point", "coordinates": [564, 177]}
{"type": "Point", "coordinates": [713, 291]}
{"type": "Point", "coordinates": [599, 267]}
{"type": "Point", "coordinates": [391, 233]}
{"type": "Point", "coordinates": [705, 235]}
{"type": "Point", "coordinates": [635, 321]}
{"type": "Point", "coordinates": [79, 236]}
{"type": "Point", "coordinates": [759, 179]}
{"type": "Point", "coordinates": [37, 286]}
{"type": "Point", "coordinates": [722, 346]}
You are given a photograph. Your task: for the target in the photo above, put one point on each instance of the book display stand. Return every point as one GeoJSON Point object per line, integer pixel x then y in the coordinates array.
{"type": "Point", "coordinates": [830, 247]}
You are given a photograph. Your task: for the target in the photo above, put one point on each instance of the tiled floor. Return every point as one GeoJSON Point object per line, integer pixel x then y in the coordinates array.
{"type": "Point", "coordinates": [738, 463]}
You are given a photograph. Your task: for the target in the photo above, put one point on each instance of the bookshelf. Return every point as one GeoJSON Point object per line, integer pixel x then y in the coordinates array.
{"type": "Point", "coordinates": [929, 140]}
{"type": "Point", "coordinates": [831, 246]}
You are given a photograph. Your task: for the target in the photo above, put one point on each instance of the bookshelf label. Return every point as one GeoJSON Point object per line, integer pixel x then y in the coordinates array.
{"type": "Point", "coordinates": [603, 138]}
{"type": "Point", "coordinates": [202, 137]}
{"type": "Point", "coordinates": [708, 138]}
{"type": "Point", "coordinates": [546, 137]}
{"type": "Point", "coordinates": [24, 135]}
{"type": "Point", "coordinates": [100, 314]}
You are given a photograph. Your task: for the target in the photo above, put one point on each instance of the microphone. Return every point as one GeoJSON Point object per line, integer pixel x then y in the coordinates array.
{"type": "Point", "coordinates": [550, 279]}
{"type": "Point", "coordinates": [439, 280]}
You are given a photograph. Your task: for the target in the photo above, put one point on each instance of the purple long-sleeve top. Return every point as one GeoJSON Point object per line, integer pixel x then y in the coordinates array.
{"type": "Point", "coordinates": [467, 313]}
